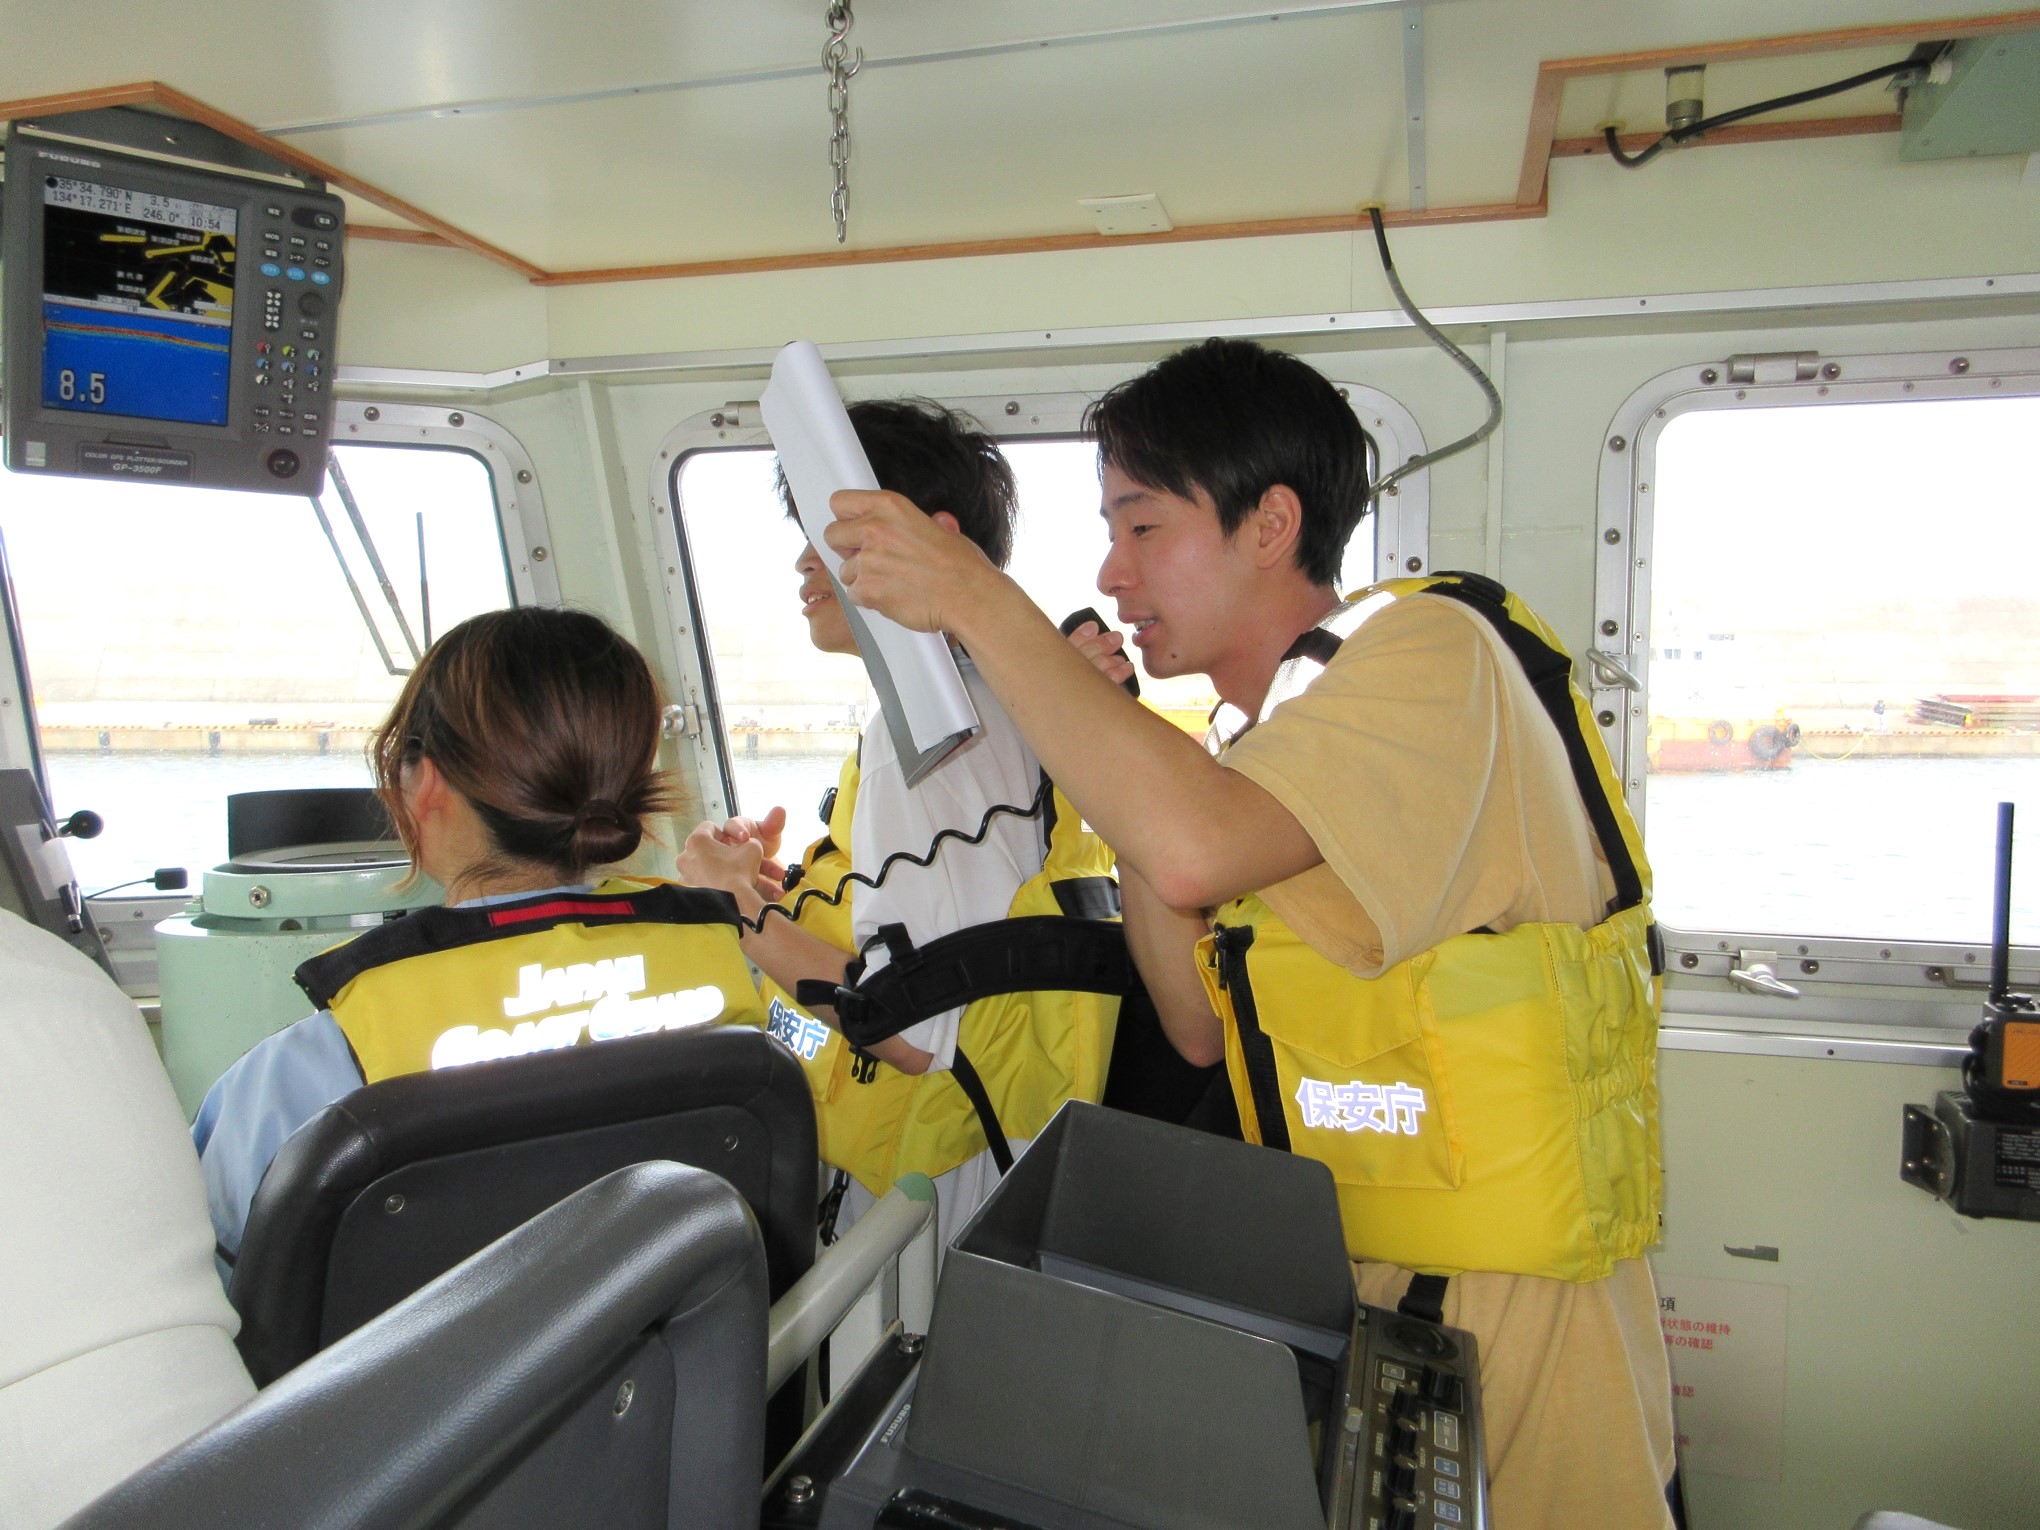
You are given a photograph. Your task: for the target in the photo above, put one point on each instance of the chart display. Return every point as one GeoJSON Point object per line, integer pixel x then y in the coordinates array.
{"type": "Point", "coordinates": [138, 303]}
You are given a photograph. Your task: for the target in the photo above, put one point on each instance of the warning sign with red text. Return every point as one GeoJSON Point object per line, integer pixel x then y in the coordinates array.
{"type": "Point", "coordinates": [1726, 1340]}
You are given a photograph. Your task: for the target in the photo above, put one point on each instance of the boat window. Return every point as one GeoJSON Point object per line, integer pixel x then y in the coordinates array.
{"type": "Point", "coordinates": [1843, 667]}
{"type": "Point", "coordinates": [185, 644]}
{"type": "Point", "coordinates": [789, 715]}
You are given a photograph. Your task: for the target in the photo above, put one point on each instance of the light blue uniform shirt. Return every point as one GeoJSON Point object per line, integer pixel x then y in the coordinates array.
{"type": "Point", "coordinates": [276, 1087]}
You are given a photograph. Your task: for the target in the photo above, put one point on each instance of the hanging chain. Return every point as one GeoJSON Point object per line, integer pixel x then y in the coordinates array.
{"type": "Point", "coordinates": [837, 59]}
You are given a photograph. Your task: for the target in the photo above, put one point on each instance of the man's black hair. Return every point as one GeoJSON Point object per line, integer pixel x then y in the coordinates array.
{"type": "Point", "coordinates": [1234, 419]}
{"type": "Point", "coordinates": [941, 459]}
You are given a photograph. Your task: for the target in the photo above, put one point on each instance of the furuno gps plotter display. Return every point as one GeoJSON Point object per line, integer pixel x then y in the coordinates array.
{"type": "Point", "coordinates": [171, 298]}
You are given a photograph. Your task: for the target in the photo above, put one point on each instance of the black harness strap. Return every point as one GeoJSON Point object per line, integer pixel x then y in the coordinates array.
{"type": "Point", "coordinates": [1313, 643]}
{"type": "Point", "coordinates": [427, 930]}
{"type": "Point", "coordinates": [1550, 673]}
{"type": "Point", "coordinates": [1037, 954]}
{"type": "Point", "coordinates": [1425, 1298]}
{"type": "Point", "coordinates": [1263, 1082]}
{"type": "Point", "coordinates": [973, 1087]}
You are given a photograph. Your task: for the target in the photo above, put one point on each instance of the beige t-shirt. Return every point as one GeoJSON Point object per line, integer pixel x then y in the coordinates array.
{"type": "Point", "coordinates": [1426, 772]}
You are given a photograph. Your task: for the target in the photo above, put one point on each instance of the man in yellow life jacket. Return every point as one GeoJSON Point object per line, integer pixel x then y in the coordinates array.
{"type": "Point", "coordinates": [895, 986]}
{"type": "Point", "coordinates": [1401, 898]}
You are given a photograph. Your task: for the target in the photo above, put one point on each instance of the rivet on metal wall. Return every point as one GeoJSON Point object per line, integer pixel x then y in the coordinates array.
{"type": "Point", "coordinates": [1831, 370]}
{"type": "Point", "coordinates": [456, 420]}
{"type": "Point", "coordinates": [524, 475]}
{"type": "Point", "coordinates": [1959, 365]}
{"type": "Point", "coordinates": [1689, 960]}
{"type": "Point", "coordinates": [1709, 376]}
{"type": "Point", "coordinates": [1605, 718]}
{"type": "Point", "coordinates": [715, 419]}
{"type": "Point", "coordinates": [538, 555]}
{"type": "Point", "coordinates": [1414, 565]}
{"type": "Point", "coordinates": [1612, 536]}
{"type": "Point", "coordinates": [1617, 443]}
{"type": "Point", "coordinates": [1609, 628]}
{"type": "Point", "coordinates": [371, 413]}
{"type": "Point", "coordinates": [1012, 406]}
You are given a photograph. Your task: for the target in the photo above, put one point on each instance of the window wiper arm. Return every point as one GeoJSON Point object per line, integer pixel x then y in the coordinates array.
{"type": "Point", "coordinates": [353, 510]}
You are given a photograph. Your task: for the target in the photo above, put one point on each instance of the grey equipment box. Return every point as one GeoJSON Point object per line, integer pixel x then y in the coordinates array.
{"type": "Point", "coordinates": [171, 302]}
{"type": "Point", "coordinates": [1149, 1328]}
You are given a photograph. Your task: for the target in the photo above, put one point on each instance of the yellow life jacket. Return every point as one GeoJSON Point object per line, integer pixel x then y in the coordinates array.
{"type": "Point", "coordinates": [445, 986]}
{"type": "Point", "coordinates": [1026, 1043]}
{"type": "Point", "coordinates": [1489, 1104]}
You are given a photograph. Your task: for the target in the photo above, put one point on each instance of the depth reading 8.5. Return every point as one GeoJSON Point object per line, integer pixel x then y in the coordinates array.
{"type": "Point", "coordinates": [94, 392]}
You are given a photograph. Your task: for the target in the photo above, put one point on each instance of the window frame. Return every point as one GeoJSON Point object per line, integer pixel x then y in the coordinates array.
{"type": "Point", "coordinates": [1904, 997]}
{"type": "Point", "coordinates": [1402, 531]}
{"type": "Point", "coordinates": [127, 924]}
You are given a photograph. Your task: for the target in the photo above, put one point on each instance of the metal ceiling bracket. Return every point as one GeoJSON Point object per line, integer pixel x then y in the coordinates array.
{"type": "Point", "coordinates": [1413, 101]}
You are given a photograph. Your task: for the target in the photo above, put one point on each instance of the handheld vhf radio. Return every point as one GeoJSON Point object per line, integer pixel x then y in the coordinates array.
{"type": "Point", "coordinates": [2002, 1071]}
{"type": "Point", "coordinates": [1979, 1148]}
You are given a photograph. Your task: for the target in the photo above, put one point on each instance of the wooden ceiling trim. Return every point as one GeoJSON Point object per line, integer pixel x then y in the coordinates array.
{"type": "Point", "coordinates": [169, 99]}
{"type": "Point", "coordinates": [1553, 74]}
{"type": "Point", "coordinates": [383, 233]}
{"type": "Point", "coordinates": [1737, 132]}
{"type": "Point", "coordinates": [1334, 223]}
{"type": "Point", "coordinates": [177, 101]}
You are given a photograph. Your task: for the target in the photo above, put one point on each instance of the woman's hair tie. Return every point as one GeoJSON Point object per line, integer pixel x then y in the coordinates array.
{"type": "Point", "coordinates": [599, 810]}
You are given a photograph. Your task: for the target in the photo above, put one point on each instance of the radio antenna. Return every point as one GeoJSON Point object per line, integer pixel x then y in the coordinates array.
{"type": "Point", "coordinates": [2001, 915]}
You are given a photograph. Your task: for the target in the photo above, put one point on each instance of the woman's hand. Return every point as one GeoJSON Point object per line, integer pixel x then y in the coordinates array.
{"type": "Point", "coordinates": [714, 858]}
{"type": "Point", "coordinates": [765, 833]}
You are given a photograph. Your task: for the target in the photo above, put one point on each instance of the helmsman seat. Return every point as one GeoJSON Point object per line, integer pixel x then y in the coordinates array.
{"type": "Point", "coordinates": [602, 1365]}
{"type": "Point", "coordinates": [401, 1180]}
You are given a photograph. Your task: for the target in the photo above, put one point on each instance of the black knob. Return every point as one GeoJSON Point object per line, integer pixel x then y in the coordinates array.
{"type": "Point", "coordinates": [83, 824]}
{"type": "Point", "coordinates": [1401, 1516]}
{"type": "Point", "coordinates": [311, 305]}
{"type": "Point", "coordinates": [283, 462]}
{"type": "Point", "coordinates": [1402, 1480]}
{"type": "Point", "coordinates": [1405, 1404]}
{"type": "Point", "coordinates": [1443, 1389]}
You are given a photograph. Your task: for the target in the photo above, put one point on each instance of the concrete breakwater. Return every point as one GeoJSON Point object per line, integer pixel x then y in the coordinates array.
{"type": "Point", "coordinates": [209, 739]}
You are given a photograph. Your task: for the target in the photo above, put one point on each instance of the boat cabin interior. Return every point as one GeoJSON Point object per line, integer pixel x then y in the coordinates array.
{"type": "Point", "coordinates": [1717, 328]}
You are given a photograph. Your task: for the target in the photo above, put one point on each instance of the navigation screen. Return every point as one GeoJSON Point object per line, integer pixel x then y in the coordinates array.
{"type": "Point", "coordinates": [138, 303]}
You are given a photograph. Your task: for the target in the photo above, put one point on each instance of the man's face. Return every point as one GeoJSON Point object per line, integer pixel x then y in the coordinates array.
{"type": "Point", "coordinates": [1179, 581]}
{"type": "Point", "coordinates": [828, 628]}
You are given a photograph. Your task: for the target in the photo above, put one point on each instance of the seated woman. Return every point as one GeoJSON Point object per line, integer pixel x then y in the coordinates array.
{"type": "Point", "coordinates": [520, 755]}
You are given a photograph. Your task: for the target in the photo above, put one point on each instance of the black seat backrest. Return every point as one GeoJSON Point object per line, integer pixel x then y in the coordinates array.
{"type": "Point", "coordinates": [386, 1189]}
{"type": "Point", "coordinates": [601, 1366]}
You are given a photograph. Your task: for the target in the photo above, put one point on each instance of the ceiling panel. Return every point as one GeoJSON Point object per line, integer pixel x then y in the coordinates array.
{"type": "Point", "coordinates": [1257, 120]}
{"type": "Point", "coordinates": [982, 148]}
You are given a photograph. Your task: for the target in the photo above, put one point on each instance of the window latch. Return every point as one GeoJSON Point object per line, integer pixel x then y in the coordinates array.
{"type": "Point", "coordinates": [1610, 670]}
{"type": "Point", "coordinates": [681, 720]}
{"type": "Point", "coordinates": [1754, 972]}
{"type": "Point", "coordinates": [1774, 367]}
